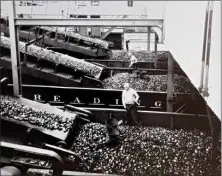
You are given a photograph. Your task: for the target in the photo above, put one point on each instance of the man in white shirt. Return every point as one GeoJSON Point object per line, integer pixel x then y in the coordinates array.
{"type": "Point", "coordinates": [130, 101]}
{"type": "Point", "coordinates": [133, 60]}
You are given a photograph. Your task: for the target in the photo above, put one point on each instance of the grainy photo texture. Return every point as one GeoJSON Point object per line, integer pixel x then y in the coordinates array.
{"type": "Point", "coordinates": [125, 88]}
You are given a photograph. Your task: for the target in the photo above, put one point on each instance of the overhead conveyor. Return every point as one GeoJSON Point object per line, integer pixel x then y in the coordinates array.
{"type": "Point", "coordinates": [75, 36]}
{"type": "Point", "coordinates": [51, 66]}
{"type": "Point", "coordinates": [68, 41]}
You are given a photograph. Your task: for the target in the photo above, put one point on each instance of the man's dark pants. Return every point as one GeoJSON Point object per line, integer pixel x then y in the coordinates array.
{"type": "Point", "coordinates": [127, 46]}
{"type": "Point", "coordinates": [131, 113]}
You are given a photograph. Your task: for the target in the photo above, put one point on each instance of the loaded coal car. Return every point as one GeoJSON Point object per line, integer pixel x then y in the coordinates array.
{"type": "Point", "coordinates": [146, 149]}
{"type": "Point", "coordinates": [168, 143]}
{"type": "Point", "coordinates": [38, 136]}
{"type": "Point", "coordinates": [140, 151]}
{"type": "Point", "coordinates": [35, 135]}
{"type": "Point", "coordinates": [146, 59]}
{"type": "Point", "coordinates": [100, 87]}
{"type": "Point", "coordinates": [32, 118]}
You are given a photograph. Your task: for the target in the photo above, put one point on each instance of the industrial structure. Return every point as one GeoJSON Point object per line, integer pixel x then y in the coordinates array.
{"type": "Point", "coordinates": [56, 71]}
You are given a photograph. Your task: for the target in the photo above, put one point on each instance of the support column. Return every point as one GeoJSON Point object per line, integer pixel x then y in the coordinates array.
{"type": "Point", "coordinates": [95, 31]}
{"type": "Point", "coordinates": [170, 84]}
{"type": "Point", "coordinates": [15, 54]}
{"type": "Point", "coordinates": [0, 80]}
{"type": "Point", "coordinates": [19, 61]}
{"type": "Point", "coordinates": [204, 49]}
{"type": "Point", "coordinates": [155, 41]}
{"type": "Point", "coordinates": [215, 135]}
{"type": "Point", "coordinates": [205, 86]}
{"type": "Point", "coordinates": [148, 38]}
{"type": "Point", "coordinates": [83, 31]}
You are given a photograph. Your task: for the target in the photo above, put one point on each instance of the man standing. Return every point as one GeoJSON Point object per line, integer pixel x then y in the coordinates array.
{"type": "Point", "coordinates": [133, 61]}
{"type": "Point", "coordinates": [130, 101]}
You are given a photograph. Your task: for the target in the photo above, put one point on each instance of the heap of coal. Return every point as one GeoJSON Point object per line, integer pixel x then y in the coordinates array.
{"type": "Point", "coordinates": [10, 108]}
{"type": "Point", "coordinates": [148, 83]}
{"type": "Point", "coordinates": [146, 151]}
{"type": "Point", "coordinates": [142, 56]}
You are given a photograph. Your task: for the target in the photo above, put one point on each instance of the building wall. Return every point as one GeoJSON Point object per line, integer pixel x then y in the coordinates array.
{"type": "Point", "coordinates": [138, 41]}
{"type": "Point", "coordinates": [55, 8]}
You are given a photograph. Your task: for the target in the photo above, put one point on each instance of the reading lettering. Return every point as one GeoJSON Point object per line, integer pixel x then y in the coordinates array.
{"type": "Point", "coordinates": [37, 97]}
{"type": "Point", "coordinates": [77, 100]}
{"type": "Point", "coordinates": [96, 101]}
{"type": "Point", "coordinates": [56, 98]}
{"type": "Point", "coordinates": [158, 103]}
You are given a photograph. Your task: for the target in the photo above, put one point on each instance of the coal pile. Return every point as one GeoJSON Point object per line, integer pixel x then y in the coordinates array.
{"type": "Point", "coordinates": [146, 151]}
{"type": "Point", "coordinates": [10, 108]}
{"type": "Point", "coordinates": [156, 83]}
{"type": "Point", "coordinates": [142, 56]}
{"type": "Point", "coordinates": [55, 58]}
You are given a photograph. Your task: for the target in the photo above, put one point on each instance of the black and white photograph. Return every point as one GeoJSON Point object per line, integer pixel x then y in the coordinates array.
{"type": "Point", "coordinates": [110, 88]}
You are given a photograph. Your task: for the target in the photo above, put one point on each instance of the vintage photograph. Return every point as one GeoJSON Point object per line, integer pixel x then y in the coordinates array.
{"type": "Point", "coordinates": [124, 88]}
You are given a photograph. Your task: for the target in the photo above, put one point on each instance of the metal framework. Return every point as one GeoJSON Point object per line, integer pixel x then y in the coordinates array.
{"type": "Point", "coordinates": [16, 76]}
{"type": "Point", "coordinates": [94, 22]}
{"type": "Point", "coordinates": [170, 83]}
{"type": "Point", "coordinates": [203, 88]}
{"type": "Point", "coordinates": [15, 22]}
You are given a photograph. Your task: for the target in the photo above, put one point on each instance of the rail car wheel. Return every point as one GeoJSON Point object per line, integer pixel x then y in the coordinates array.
{"type": "Point", "coordinates": [61, 144]}
{"type": "Point", "coordinates": [10, 171]}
